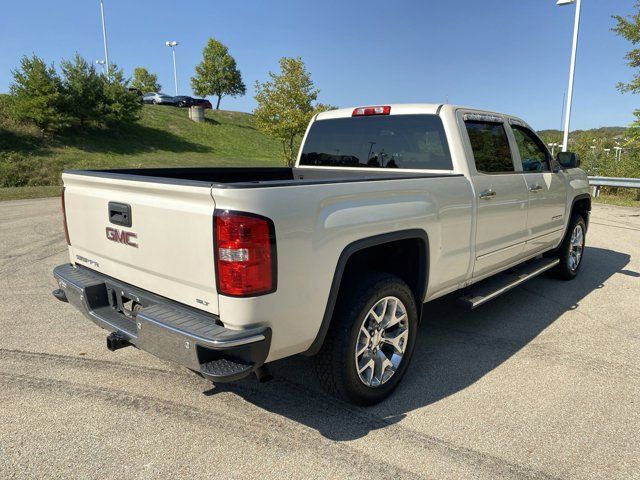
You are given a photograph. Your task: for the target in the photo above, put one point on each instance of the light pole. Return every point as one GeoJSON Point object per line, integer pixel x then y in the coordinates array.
{"type": "Point", "coordinates": [173, 44]}
{"type": "Point", "coordinates": [101, 62]}
{"type": "Point", "coordinates": [572, 69]}
{"type": "Point", "coordinates": [104, 37]}
{"type": "Point", "coordinates": [553, 149]}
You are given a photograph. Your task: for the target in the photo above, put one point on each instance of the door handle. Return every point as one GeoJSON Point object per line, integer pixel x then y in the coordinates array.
{"type": "Point", "coordinates": [535, 188]}
{"type": "Point", "coordinates": [487, 194]}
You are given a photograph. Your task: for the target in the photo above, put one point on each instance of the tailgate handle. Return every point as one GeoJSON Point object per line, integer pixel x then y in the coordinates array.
{"type": "Point", "coordinates": [120, 214]}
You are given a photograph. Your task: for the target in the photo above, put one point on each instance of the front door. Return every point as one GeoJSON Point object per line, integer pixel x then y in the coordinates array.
{"type": "Point", "coordinates": [502, 195]}
{"type": "Point", "coordinates": [547, 191]}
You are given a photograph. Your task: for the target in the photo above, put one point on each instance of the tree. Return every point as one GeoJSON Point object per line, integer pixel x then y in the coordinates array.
{"type": "Point", "coordinates": [629, 29]}
{"type": "Point", "coordinates": [217, 74]}
{"type": "Point", "coordinates": [286, 104]}
{"type": "Point", "coordinates": [145, 81]}
{"type": "Point", "coordinates": [37, 96]}
{"type": "Point", "coordinates": [117, 105]}
{"type": "Point", "coordinates": [82, 86]}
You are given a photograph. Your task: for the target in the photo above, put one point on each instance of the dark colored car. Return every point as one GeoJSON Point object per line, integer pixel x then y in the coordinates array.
{"type": "Point", "coordinates": [202, 102]}
{"type": "Point", "coordinates": [184, 101]}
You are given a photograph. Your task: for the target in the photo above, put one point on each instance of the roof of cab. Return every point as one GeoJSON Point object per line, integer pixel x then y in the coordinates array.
{"type": "Point", "coordinates": [396, 109]}
{"type": "Point", "coordinates": [412, 109]}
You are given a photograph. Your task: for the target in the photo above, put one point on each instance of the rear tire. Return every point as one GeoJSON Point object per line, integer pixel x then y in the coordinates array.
{"type": "Point", "coordinates": [571, 251]}
{"type": "Point", "coordinates": [371, 339]}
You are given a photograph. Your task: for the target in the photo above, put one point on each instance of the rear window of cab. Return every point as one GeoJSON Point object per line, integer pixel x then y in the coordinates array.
{"type": "Point", "coordinates": [378, 141]}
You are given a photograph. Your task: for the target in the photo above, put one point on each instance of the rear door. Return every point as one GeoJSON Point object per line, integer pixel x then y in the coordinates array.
{"type": "Point", "coordinates": [547, 190]}
{"type": "Point", "coordinates": [154, 235]}
{"type": "Point", "coordinates": [501, 191]}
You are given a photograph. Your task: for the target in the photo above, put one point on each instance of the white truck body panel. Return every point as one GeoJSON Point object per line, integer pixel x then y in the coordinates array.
{"type": "Point", "coordinates": [469, 238]}
{"type": "Point", "coordinates": [174, 229]}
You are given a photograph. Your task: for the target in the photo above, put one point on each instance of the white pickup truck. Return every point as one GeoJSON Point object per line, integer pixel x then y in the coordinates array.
{"type": "Point", "coordinates": [224, 270]}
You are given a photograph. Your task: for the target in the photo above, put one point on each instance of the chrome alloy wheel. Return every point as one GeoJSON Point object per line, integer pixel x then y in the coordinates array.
{"type": "Point", "coordinates": [575, 247]}
{"type": "Point", "coordinates": [382, 341]}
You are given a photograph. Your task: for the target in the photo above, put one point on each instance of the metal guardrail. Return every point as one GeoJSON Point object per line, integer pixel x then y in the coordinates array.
{"type": "Point", "coordinates": [597, 182]}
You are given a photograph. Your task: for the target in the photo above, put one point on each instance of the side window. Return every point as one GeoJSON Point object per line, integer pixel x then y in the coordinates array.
{"type": "Point", "coordinates": [534, 155]}
{"type": "Point", "coordinates": [490, 146]}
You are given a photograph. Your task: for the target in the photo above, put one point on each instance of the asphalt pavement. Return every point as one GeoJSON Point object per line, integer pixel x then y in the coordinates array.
{"type": "Point", "coordinates": [543, 382]}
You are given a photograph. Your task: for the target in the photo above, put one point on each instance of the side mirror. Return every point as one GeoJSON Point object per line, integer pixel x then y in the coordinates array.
{"type": "Point", "coordinates": [568, 159]}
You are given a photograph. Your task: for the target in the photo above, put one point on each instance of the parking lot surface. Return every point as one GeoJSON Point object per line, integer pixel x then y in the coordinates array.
{"type": "Point", "coordinates": [543, 382]}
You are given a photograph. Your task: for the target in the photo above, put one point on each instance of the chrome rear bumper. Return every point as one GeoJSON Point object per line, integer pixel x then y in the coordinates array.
{"type": "Point", "coordinates": [162, 327]}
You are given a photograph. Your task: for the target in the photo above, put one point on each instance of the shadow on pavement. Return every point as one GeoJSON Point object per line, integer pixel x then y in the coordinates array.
{"type": "Point", "coordinates": [454, 349]}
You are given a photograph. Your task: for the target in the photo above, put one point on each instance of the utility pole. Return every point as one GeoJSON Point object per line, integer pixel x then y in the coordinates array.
{"type": "Point", "coordinates": [104, 37]}
{"type": "Point", "coordinates": [173, 44]}
{"type": "Point", "coordinates": [572, 69]}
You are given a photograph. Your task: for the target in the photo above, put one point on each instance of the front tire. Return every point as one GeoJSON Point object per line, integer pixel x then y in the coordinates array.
{"type": "Point", "coordinates": [368, 349]}
{"type": "Point", "coordinates": [571, 251]}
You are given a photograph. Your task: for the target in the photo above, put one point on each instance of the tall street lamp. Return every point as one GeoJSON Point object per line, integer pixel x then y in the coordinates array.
{"type": "Point", "coordinates": [173, 44]}
{"type": "Point", "coordinates": [101, 62]}
{"type": "Point", "coordinates": [572, 68]}
{"type": "Point", "coordinates": [104, 37]}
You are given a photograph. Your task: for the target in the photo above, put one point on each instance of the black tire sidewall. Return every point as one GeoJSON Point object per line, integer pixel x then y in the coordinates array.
{"type": "Point", "coordinates": [564, 270]}
{"type": "Point", "coordinates": [356, 390]}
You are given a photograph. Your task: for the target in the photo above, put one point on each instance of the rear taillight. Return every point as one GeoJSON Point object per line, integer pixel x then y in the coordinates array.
{"type": "Point", "coordinates": [245, 254]}
{"type": "Point", "coordinates": [365, 111]}
{"type": "Point", "coordinates": [64, 218]}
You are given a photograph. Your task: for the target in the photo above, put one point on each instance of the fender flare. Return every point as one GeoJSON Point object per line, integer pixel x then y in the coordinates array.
{"type": "Point", "coordinates": [362, 244]}
{"type": "Point", "coordinates": [582, 196]}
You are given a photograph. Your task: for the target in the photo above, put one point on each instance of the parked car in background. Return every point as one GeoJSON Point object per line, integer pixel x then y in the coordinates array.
{"type": "Point", "coordinates": [202, 102]}
{"type": "Point", "coordinates": [157, 98]}
{"type": "Point", "coordinates": [184, 101]}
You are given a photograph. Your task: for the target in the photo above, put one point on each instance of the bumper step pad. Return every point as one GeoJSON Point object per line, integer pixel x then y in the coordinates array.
{"type": "Point", "coordinates": [225, 368]}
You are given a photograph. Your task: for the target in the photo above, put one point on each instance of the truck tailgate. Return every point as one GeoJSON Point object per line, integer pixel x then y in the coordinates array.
{"type": "Point", "coordinates": [168, 247]}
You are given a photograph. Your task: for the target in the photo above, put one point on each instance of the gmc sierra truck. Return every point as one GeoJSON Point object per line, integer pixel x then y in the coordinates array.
{"type": "Point", "coordinates": [224, 270]}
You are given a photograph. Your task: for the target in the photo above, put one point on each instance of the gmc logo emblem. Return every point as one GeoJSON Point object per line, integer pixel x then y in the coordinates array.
{"type": "Point", "coordinates": [120, 236]}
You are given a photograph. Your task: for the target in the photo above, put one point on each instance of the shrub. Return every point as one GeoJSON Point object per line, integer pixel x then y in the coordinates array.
{"type": "Point", "coordinates": [37, 95]}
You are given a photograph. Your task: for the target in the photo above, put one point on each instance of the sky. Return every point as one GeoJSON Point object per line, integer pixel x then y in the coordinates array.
{"type": "Point", "coordinates": [505, 55]}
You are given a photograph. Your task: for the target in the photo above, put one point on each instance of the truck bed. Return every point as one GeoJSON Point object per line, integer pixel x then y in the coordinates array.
{"type": "Point", "coordinates": [252, 177]}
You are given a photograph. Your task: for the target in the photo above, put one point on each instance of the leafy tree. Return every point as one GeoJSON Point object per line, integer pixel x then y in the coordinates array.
{"type": "Point", "coordinates": [629, 29]}
{"type": "Point", "coordinates": [117, 105]}
{"type": "Point", "coordinates": [37, 97]}
{"type": "Point", "coordinates": [145, 81]}
{"type": "Point", "coordinates": [82, 86]}
{"type": "Point", "coordinates": [217, 74]}
{"type": "Point", "coordinates": [286, 103]}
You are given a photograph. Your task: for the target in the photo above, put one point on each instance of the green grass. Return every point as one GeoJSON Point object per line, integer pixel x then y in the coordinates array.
{"type": "Point", "coordinates": [164, 137]}
{"type": "Point", "coordinates": [20, 193]}
{"type": "Point", "coordinates": [622, 201]}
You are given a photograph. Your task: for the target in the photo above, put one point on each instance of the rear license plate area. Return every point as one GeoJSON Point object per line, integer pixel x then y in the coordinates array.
{"type": "Point", "coordinates": [123, 302]}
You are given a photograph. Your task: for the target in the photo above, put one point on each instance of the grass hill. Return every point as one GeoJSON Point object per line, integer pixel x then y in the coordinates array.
{"type": "Point", "coordinates": [163, 137]}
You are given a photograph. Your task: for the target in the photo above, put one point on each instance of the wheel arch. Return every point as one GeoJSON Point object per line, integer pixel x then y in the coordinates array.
{"type": "Point", "coordinates": [581, 204]}
{"type": "Point", "coordinates": [369, 245]}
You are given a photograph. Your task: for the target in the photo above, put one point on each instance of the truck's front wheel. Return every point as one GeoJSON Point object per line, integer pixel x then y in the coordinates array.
{"type": "Point", "coordinates": [571, 250]}
{"type": "Point", "coordinates": [371, 340]}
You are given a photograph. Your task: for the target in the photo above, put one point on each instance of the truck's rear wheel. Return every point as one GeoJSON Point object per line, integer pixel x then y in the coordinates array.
{"type": "Point", "coordinates": [371, 340]}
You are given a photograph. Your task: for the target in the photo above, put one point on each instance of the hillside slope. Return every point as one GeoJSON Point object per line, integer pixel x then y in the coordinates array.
{"type": "Point", "coordinates": [164, 136]}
